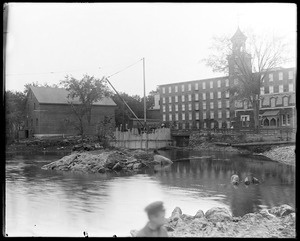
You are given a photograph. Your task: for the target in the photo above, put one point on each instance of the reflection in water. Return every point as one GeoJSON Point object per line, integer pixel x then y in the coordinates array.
{"type": "Point", "coordinates": [53, 203]}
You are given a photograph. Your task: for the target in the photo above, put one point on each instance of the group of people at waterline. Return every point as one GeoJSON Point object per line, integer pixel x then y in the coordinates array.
{"type": "Point", "coordinates": [235, 180]}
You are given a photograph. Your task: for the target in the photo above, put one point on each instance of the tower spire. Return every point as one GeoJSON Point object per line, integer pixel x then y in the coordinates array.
{"type": "Point", "coordinates": [238, 20]}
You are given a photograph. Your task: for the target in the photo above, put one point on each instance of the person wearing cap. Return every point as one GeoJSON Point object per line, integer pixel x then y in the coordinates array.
{"type": "Point", "coordinates": [156, 215]}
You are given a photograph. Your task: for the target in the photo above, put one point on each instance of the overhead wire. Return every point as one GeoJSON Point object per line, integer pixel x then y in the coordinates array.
{"type": "Point", "coordinates": [65, 71]}
{"type": "Point", "coordinates": [107, 79]}
{"type": "Point", "coordinates": [124, 68]}
{"type": "Point", "coordinates": [51, 72]}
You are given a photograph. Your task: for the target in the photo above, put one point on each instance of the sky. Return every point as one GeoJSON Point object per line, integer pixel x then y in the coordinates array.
{"type": "Point", "coordinates": [47, 41]}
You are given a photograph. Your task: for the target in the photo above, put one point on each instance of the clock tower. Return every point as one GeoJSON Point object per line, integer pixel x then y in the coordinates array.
{"type": "Point", "coordinates": [239, 58]}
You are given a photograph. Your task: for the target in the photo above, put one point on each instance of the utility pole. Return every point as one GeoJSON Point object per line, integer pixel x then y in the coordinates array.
{"type": "Point", "coordinates": [123, 101]}
{"type": "Point", "coordinates": [145, 107]}
{"type": "Point", "coordinates": [123, 122]}
{"type": "Point", "coordinates": [145, 119]}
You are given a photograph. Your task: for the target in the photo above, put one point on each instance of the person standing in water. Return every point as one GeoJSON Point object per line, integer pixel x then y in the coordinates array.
{"type": "Point", "coordinates": [161, 159]}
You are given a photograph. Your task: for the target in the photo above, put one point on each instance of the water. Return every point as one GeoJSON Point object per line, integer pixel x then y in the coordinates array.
{"type": "Point", "coordinates": [54, 203]}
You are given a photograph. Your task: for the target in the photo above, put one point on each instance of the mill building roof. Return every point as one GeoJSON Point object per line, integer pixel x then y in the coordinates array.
{"type": "Point", "coordinates": [49, 95]}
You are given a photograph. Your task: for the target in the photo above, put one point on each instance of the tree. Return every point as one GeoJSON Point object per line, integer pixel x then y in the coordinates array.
{"type": "Point", "coordinates": [37, 84]}
{"type": "Point", "coordinates": [122, 113]}
{"type": "Point", "coordinates": [28, 85]}
{"type": "Point", "coordinates": [150, 99]}
{"type": "Point", "coordinates": [135, 102]}
{"type": "Point", "coordinates": [249, 67]}
{"type": "Point", "coordinates": [105, 130]}
{"type": "Point", "coordinates": [14, 113]}
{"type": "Point", "coordinates": [87, 90]}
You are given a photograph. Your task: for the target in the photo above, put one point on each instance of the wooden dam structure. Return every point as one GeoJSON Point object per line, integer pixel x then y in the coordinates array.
{"type": "Point", "coordinates": [132, 139]}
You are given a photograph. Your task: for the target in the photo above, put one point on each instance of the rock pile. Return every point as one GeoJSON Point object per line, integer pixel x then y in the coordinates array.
{"type": "Point", "coordinates": [276, 222]}
{"type": "Point", "coordinates": [284, 154]}
{"type": "Point", "coordinates": [106, 161]}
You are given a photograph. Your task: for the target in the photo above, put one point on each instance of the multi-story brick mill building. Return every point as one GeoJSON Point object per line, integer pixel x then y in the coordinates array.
{"type": "Point", "coordinates": [207, 103]}
{"type": "Point", "coordinates": [277, 103]}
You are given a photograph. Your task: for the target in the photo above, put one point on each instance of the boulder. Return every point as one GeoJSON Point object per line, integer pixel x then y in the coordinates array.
{"type": "Point", "coordinates": [180, 223]}
{"type": "Point", "coordinates": [252, 218]}
{"type": "Point", "coordinates": [101, 170]}
{"type": "Point", "coordinates": [131, 160]}
{"type": "Point", "coordinates": [282, 210]}
{"type": "Point", "coordinates": [110, 163]}
{"type": "Point", "coordinates": [265, 213]}
{"type": "Point", "coordinates": [218, 214]}
{"type": "Point", "coordinates": [113, 158]}
{"type": "Point", "coordinates": [88, 147]}
{"type": "Point", "coordinates": [168, 228]}
{"type": "Point", "coordinates": [290, 219]}
{"type": "Point", "coordinates": [77, 147]}
{"type": "Point", "coordinates": [199, 214]}
{"type": "Point", "coordinates": [186, 217]}
{"type": "Point", "coordinates": [130, 165]}
{"type": "Point", "coordinates": [65, 142]}
{"type": "Point", "coordinates": [236, 219]}
{"type": "Point", "coordinates": [98, 146]}
{"type": "Point", "coordinates": [137, 165]}
{"type": "Point", "coordinates": [117, 167]}
{"type": "Point", "coordinates": [176, 214]}
{"type": "Point", "coordinates": [199, 223]}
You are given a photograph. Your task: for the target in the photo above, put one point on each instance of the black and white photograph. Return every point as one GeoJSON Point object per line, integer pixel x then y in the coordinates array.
{"type": "Point", "coordinates": [149, 119]}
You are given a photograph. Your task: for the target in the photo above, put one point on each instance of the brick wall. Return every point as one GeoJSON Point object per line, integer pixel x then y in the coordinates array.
{"type": "Point", "coordinates": [57, 118]}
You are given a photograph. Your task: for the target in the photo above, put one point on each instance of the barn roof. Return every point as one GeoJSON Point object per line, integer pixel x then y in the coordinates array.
{"type": "Point", "coordinates": [49, 95]}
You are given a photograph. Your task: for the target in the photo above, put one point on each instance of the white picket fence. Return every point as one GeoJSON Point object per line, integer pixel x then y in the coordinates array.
{"type": "Point", "coordinates": [131, 139]}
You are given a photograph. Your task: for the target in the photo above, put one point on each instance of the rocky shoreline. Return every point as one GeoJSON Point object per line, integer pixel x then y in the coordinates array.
{"type": "Point", "coordinates": [282, 154]}
{"type": "Point", "coordinates": [277, 222]}
{"type": "Point", "coordinates": [208, 146]}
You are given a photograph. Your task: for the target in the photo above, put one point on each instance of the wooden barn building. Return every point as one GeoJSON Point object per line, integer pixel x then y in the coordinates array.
{"type": "Point", "coordinates": [49, 113]}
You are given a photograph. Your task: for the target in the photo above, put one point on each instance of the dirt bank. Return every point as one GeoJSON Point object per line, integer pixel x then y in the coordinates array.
{"type": "Point", "coordinates": [209, 146]}
{"type": "Point", "coordinates": [277, 222]}
{"type": "Point", "coordinates": [283, 154]}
